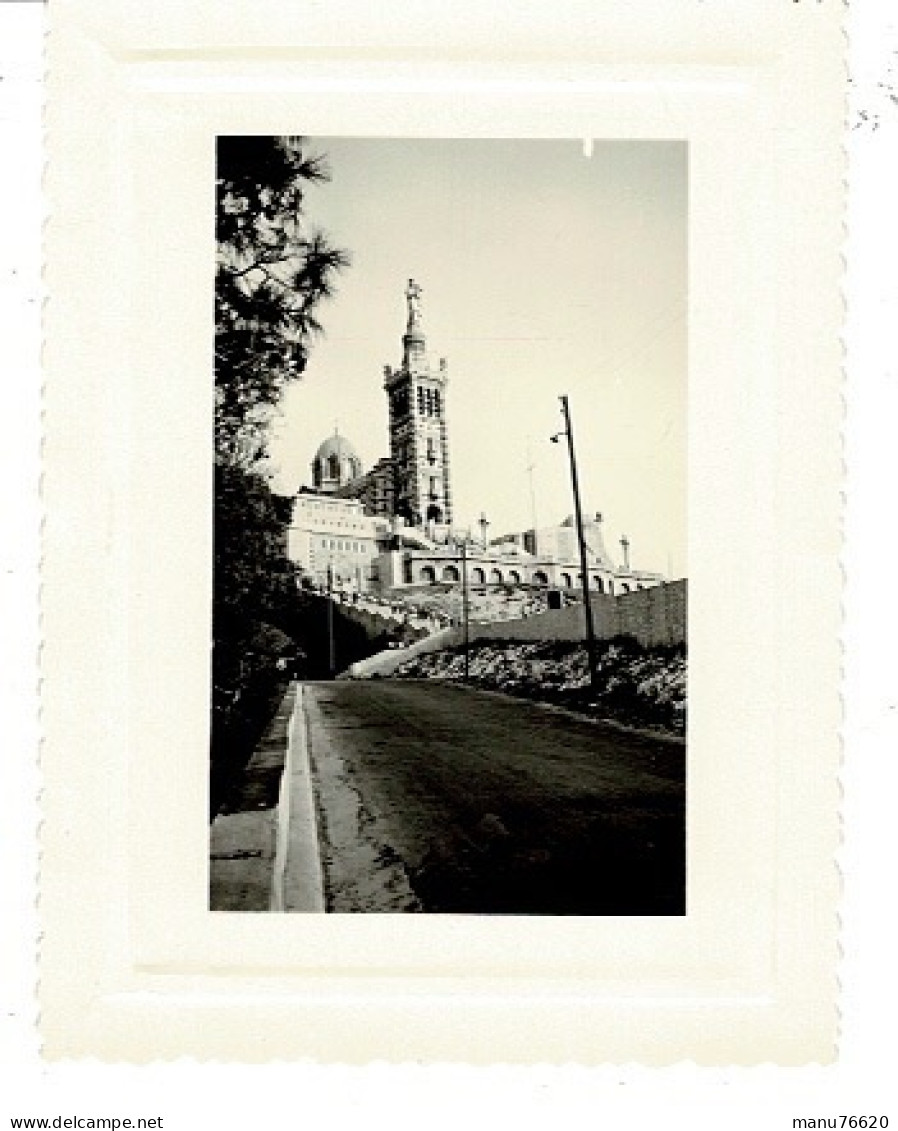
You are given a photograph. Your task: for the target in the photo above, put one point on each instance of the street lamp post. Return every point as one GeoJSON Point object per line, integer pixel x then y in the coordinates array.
{"type": "Point", "coordinates": [578, 517]}
{"type": "Point", "coordinates": [461, 544]}
{"type": "Point", "coordinates": [466, 635]}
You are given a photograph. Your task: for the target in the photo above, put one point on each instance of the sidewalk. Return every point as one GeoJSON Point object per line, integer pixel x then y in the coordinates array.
{"type": "Point", "coordinates": [242, 843]}
{"type": "Point", "coordinates": [297, 878]}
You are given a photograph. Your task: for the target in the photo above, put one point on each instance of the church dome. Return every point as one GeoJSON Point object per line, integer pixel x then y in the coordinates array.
{"type": "Point", "coordinates": [336, 463]}
{"type": "Point", "coordinates": [338, 446]}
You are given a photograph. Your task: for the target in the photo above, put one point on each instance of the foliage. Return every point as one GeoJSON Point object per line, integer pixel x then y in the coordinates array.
{"type": "Point", "coordinates": [249, 532]}
{"type": "Point", "coordinates": [272, 272]}
{"type": "Point", "coordinates": [642, 686]}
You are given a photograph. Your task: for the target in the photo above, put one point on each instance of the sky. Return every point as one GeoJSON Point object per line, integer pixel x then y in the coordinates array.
{"type": "Point", "coordinates": [544, 271]}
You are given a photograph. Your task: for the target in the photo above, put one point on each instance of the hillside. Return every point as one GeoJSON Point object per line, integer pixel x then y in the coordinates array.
{"type": "Point", "coordinates": [435, 606]}
{"type": "Point", "coordinates": [640, 686]}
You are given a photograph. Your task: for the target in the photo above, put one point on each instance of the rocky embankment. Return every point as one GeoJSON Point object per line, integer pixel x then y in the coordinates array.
{"type": "Point", "coordinates": [642, 687]}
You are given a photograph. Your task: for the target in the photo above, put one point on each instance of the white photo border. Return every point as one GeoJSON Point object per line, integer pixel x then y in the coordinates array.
{"type": "Point", "coordinates": [133, 965]}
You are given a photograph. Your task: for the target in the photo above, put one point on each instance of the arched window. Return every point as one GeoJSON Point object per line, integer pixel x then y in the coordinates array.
{"type": "Point", "coordinates": [624, 587]}
{"type": "Point", "coordinates": [566, 580]}
{"type": "Point", "coordinates": [598, 583]}
{"type": "Point", "coordinates": [333, 466]}
{"type": "Point", "coordinates": [611, 587]}
{"type": "Point", "coordinates": [450, 573]}
{"type": "Point", "coordinates": [514, 578]}
{"type": "Point", "coordinates": [436, 402]}
{"type": "Point", "coordinates": [434, 514]}
{"type": "Point", "coordinates": [427, 575]}
{"type": "Point", "coordinates": [495, 576]}
{"type": "Point", "coordinates": [540, 578]}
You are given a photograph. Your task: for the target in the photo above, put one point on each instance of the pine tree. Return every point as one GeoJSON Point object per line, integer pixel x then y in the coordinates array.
{"type": "Point", "coordinates": [272, 273]}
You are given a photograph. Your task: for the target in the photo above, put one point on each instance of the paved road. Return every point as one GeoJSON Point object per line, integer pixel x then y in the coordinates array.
{"type": "Point", "coordinates": [442, 798]}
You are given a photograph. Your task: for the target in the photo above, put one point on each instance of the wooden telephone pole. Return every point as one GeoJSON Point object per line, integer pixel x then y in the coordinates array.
{"type": "Point", "coordinates": [578, 518]}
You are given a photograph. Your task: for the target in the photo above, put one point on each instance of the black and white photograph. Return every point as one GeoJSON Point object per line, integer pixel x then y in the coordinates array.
{"type": "Point", "coordinates": [441, 475]}
{"type": "Point", "coordinates": [449, 632]}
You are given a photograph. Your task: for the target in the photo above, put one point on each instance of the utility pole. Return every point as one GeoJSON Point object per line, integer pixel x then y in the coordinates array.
{"type": "Point", "coordinates": [578, 516]}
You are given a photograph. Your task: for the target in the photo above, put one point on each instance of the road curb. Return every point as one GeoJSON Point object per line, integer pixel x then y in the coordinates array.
{"type": "Point", "coordinates": [297, 882]}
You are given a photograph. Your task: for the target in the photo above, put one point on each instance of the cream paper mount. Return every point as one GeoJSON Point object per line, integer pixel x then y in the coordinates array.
{"type": "Point", "coordinates": [133, 966]}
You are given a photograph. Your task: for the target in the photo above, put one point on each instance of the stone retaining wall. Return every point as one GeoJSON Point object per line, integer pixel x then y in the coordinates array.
{"type": "Point", "coordinates": [652, 616]}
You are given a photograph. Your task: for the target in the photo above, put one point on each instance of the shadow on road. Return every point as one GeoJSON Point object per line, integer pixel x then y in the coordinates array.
{"type": "Point", "coordinates": [596, 865]}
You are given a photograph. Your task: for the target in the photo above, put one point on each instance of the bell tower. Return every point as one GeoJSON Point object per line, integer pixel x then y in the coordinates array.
{"type": "Point", "coordinates": [419, 447]}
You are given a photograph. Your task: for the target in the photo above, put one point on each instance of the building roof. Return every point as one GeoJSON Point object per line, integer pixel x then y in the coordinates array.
{"type": "Point", "coordinates": [336, 445]}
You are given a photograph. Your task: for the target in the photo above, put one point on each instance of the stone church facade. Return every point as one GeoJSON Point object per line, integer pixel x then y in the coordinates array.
{"type": "Point", "coordinates": [401, 509]}
{"type": "Point", "coordinates": [419, 447]}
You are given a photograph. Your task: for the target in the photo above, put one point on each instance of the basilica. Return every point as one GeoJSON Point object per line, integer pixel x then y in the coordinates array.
{"type": "Point", "coordinates": [390, 528]}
